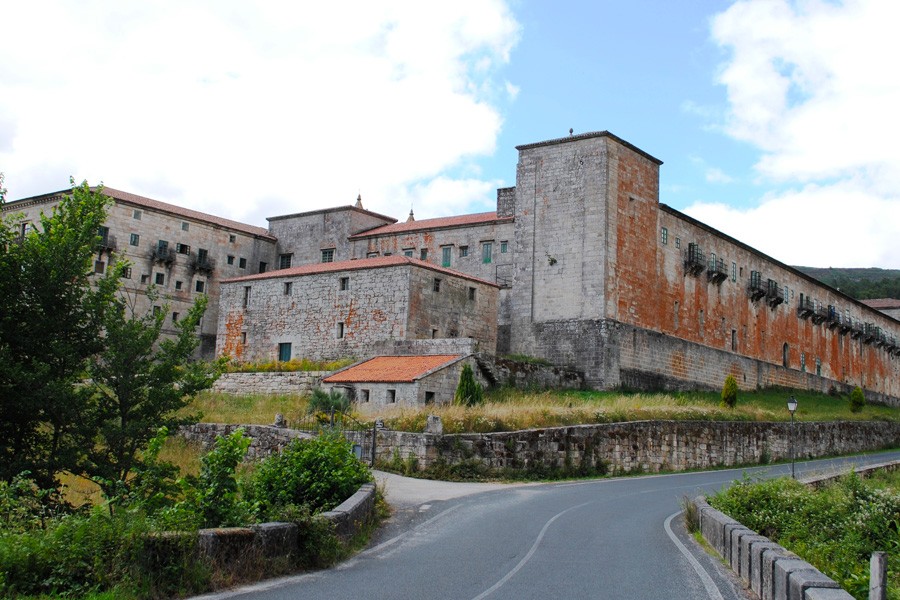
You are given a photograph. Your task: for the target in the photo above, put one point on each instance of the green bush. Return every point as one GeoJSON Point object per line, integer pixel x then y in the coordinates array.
{"type": "Point", "coordinates": [857, 400]}
{"type": "Point", "coordinates": [730, 392]}
{"type": "Point", "coordinates": [323, 402]}
{"type": "Point", "coordinates": [468, 392]}
{"type": "Point", "coordinates": [212, 499]}
{"type": "Point", "coordinates": [319, 473]}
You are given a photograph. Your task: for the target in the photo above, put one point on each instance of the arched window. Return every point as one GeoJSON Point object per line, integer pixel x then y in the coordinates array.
{"type": "Point", "coordinates": [785, 355]}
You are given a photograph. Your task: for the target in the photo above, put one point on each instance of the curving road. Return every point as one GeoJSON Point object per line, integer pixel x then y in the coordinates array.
{"type": "Point", "coordinates": [605, 538]}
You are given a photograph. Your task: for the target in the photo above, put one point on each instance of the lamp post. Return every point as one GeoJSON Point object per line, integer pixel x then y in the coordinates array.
{"type": "Point", "coordinates": [792, 406]}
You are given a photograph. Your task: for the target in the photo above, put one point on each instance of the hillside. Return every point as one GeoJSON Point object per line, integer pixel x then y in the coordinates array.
{"type": "Point", "coordinates": [860, 283]}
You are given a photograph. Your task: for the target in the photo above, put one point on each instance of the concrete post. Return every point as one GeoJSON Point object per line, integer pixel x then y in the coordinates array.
{"type": "Point", "coordinates": [878, 576]}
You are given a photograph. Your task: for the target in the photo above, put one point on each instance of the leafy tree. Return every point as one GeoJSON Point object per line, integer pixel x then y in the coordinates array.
{"type": "Point", "coordinates": [51, 319]}
{"type": "Point", "coordinates": [468, 391]}
{"type": "Point", "coordinates": [138, 383]}
{"type": "Point", "coordinates": [730, 392]}
{"type": "Point", "coordinates": [857, 400]}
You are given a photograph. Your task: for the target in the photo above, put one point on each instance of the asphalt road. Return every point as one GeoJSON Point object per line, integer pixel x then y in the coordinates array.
{"type": "Point", "coordinates": [606, 538]}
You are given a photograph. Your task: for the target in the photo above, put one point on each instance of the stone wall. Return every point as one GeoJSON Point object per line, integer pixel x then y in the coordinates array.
{"type": "Point", "coordinates": [265, 439]}
{"type": "Point", "coordinates": [645, 446]}
{"type": "Point", "coordinates": [498, 370]}
{"type": "Point", "coordinates": [280, 382]}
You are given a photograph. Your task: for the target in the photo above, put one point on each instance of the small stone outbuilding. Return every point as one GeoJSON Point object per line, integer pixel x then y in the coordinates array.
{"type": "Point", "coordinates": [401, 380]}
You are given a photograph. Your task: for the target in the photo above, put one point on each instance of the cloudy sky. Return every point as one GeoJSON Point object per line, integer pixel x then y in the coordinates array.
{"type": "Point", "coordinates": [776, 120]}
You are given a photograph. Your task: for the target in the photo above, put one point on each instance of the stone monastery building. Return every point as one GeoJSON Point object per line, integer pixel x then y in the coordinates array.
{"type": "Point", "coordinates": [580, 265]}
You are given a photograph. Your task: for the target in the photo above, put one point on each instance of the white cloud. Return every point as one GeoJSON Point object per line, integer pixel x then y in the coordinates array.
{"type": "Point", "coordinates": [253, 110]}
{"type": "Point", "coordinates": [813, 85]}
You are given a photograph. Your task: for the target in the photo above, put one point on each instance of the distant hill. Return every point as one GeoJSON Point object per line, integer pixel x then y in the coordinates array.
{"type": "Point", "coordinates": [861, 284]}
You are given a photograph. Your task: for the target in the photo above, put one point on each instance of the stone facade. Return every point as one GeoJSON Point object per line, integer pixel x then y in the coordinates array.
{"type": "Point", "coordinates": [636, 447]}
{"type": "Point", "coordinates": [181, 253]}
{"type": "Point", "coordinates": [350, 308]}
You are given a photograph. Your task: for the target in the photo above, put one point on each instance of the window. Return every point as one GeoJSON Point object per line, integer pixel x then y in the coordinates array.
{"type": "Point", "coordinates": [178, 285]}
{"type": "Point", "coordinates": [244, 338]}
{"type": "Point", "coordinates": [126, 273]}
{"type": "Point", "coordinates": [160, 279]}
{"type": "Point", "coordinates": [785, 356]}
{"type": "Point", "coordinates": [678, 242]}
{"type": "Point", "coordinates": [162, 246]}
{"type": "Point", "coordinates": [463, 251]}
{"type": "Point", "coordinates": [434, 334]}
{"type": "Point", "coordinates": [231, 238]}
{"type": "Point", "coordinates": [284, 261]}
{"type": "Point", "coordinates": [423, 254]}
{"type": "Point", "coordinates": [284, 350]}
{"type": "Point", "coordinates": [145, 278]}
{"type": "Point", "coordinates": [156, 310]}
{"type": "Point", "coordinates": [135, 239]}
{"type": "Point", "coordinates": [445, 256]}
{"type": "Point", "coordinates": [437, 285]}
{"type": "Point", "coordinates": [174, 317]}
{"type": "Point", "coordinates": [487, 249]}
{"type": "Point", "coordinates": [230, 259]}
{"type": "Point", "coordinates": [363, 395]}
{"type": "Point", "coordinates": [182, 249]}
{"type": "Point", "coordinates": [202, 255]}
{"type": "Point", "coordinates": [288, 287]}
{"type": "Point", "coordinates": [328, 255]}
{"type": "Point", "coordinates": [242, 263]}
{"type": "Point", "coordinates": [819, 367]}
{"type": "Point", "coordinates": [136, 215]}
{"type": "Point", "coordinates": [803, 361]}
{"type": "Point", "coordinates": [340, 330]}
{"type": "Point", "coordinates": [734, 271]}
{"type": "Point", "coordinates": [391, 396]}
{"type": "Point", "coordinates": [734, 340]}
{"type": "Point", "coordinates": [263, 266]}
{"type": "Point", "coordinates": [408, 252]}
{"type": "Point", "coordinates": [664, 236]}
{"type": "Point", "coordinates": [99, 266]}
{"type": "Point", "coordinates": [429, 397]}
{"type": "Point", "coordinates": [371, 255]}
{"type": "Point", "coordinates": [344, 284]}
{"type": "Point", "coordinates": [185, 226]}
{"type": "Point", "coordinates": [200, 285]}
{"type": "Point", "coordinates": [246, 296]}
{"type": "Point", "coordinates": [471, 293]}
{"type": "Point", "coordinates": [504, 246]}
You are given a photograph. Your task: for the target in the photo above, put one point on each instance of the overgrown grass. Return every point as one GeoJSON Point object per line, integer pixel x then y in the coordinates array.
{"type": "Point", "coordinates": [295, 364]}
{"type": "Point", "coordinates": [507, 409]}
{"type": "Point", "coordinates": [836, 528]}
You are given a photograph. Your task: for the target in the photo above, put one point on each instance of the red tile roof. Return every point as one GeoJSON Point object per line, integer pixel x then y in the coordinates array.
{"type": "Point", "coordinates": [185, 212]}
{"type": "Point", "coordinates": [392, 369]}
{"type": "Point", "coordinates": [356, 265]}
{"type": "Point", "coordinates": [882, 303]}
{"type": "Point", "coordinates": [151, 204]}
{"type": "Point", "coordinates": [438, 223]}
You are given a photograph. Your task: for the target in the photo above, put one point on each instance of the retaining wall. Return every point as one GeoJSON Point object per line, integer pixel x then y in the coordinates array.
{"type": "Point", "coordinates": [264, 439]}
{"type": "Point", "coordinates": [277, 382]}
{"type": "Point", "coordinates": [641, 446]}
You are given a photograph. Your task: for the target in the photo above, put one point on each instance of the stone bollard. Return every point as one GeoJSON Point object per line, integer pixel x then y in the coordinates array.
{"type": "Point", "coordinates": [279, 420]}
{"type": "Point", "coordinates": [434, 425]}
{"type": "Point", "coordinates": [878, 576]}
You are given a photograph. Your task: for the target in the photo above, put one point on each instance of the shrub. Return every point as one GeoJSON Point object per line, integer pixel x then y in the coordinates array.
{"type": "Point", "coordinates": [319, 473]}
{"type": "Point", "coordinates": [857, 400]}
{"type": "Point", "coordinates": [323, 402]}
{"type": "Point", "coordinates": [730, 392]}
{"type": "Point", "coordinates": [214, 494]}
{"type": "Point", "coordinates": [468, 392]}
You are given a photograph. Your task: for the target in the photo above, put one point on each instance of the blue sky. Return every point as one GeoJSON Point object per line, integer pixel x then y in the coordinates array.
{"type": "Point", "coordinates": [775, 119]}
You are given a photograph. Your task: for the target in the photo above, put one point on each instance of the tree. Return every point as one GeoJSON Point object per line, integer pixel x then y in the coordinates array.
{"type": "Point", "coordinates": [50, 323]}
{"type": "Point", "coordinates": [857, 400]}
{"type": "Point", "coordinates": [730, 392]}
{"type": "Point", "coordinates": [468, 392]}
{"type": "Point", "coordinates": [138, 383]}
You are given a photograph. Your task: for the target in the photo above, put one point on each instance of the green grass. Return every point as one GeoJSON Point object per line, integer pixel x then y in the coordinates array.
{"type": "Point", "coordinates": [835, 528]}
{"type": "Point", "coordinates": [510, 410]}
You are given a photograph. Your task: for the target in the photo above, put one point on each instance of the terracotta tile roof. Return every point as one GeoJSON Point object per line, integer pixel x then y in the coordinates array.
{"type": "Point", "coordinates": [392, 369]}
{"type": "Point", "coordinates": [438, 223]}
{"type": "Point", "coordinates": [151, 204]}
{"type": "Point", "coordinates": [376, 262]}
{"type": "Point", "coordinates": [185, 212]}
{"type": "Point", "coordinates": [882, 303]}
